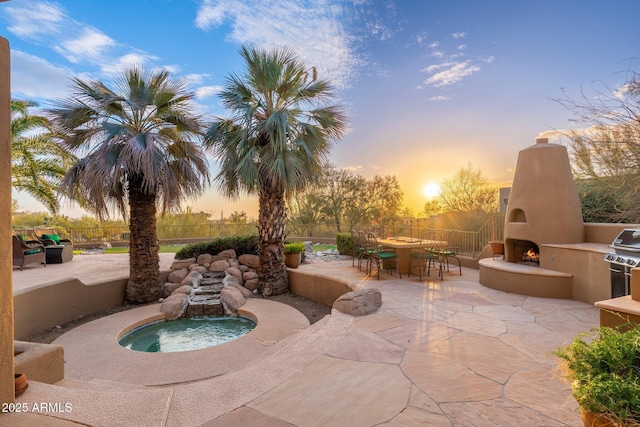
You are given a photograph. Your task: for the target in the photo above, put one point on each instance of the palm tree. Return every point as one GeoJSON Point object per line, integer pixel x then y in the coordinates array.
{"type": "Point", "coordinates": [38, 162]}
{"type": "Point", "coordinates": [141, 152]}
{"type": "Point", "coordinates": [275, 144]}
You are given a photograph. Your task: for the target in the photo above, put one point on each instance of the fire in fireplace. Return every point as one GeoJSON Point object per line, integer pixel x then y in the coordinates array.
{"type": "Point", "coordinates": [524, 251]}
{"type": "Point", "coordinates": [531, 256]}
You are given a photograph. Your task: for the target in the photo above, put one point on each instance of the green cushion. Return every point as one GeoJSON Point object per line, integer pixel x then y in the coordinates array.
{"type": "Point", "coordinates": [388, 255]}
{"type": "Point", "coordinates": [33, 251]}
{"type": "Point", "coordinates": [54, 237]}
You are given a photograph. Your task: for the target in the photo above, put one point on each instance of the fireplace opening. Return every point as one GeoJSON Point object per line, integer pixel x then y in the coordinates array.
{"type": "Point", "coordinates": [525, 252]}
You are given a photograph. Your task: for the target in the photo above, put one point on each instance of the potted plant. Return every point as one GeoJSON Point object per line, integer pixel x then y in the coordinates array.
{"type": "Point", "coordinates": [603, 366]}
{"type": "Point", "coordinates": [293, 254]}
{"type": "Point", "coordinates": [497, 248]}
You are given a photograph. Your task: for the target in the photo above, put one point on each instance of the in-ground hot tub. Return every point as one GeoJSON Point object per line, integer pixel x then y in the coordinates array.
{"type": "Point", "coordinates": [92, 351]}
{"type": "Point", "coordinates": [186, 334]}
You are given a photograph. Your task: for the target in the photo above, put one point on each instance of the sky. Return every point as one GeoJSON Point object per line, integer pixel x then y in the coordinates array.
{"type": "Point", "coordinates": [429, 86]}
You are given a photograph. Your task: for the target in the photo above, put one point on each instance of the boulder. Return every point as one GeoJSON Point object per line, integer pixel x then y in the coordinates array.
{"type": "Point", "coordinates": [227, 254]}
{"type": "Point", "coordinates": [231, 299]}
{"type": "Point", "coordinates": [193, 279]}
{"type": "Point", "coordinates": [250, 275]}
{"type": "Point", "coordinates": [204, 259]}
{"type": "Point", "coordinates": [175, 306]}
{"type": "Point", "coordinates": [251, 284]}
{"type": "Point", "coordinates": [176, 276]}
{"type": "Point", "coordinates": [243, 268]}
{"type": "Point", "coordinates": [235, 272]}
{"type": "Point", "coordinates": [233, 262]}
{"type": "Point", "coordinates": [169, 287]}
{"type": "Point", "coordinates": [249, 260]}
{"type": "Point", "coordinates": [246, 293]}
{"type": "Point", "coordinates": [182, 263]}
{"type": "Point", "coordinates": [230, 280]}
{"type": "Point", "coordinates": [184, 289]}
{"type": "Point", "coordinates": [359, 303]}
{"type": "Point", "coordinates": [200, 269]}
{"type": "Point", "coordinates": [219, 265]}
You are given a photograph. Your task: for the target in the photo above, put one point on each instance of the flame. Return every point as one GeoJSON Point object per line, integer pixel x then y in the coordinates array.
{"type": "Point", "coordinates": [532, 254]}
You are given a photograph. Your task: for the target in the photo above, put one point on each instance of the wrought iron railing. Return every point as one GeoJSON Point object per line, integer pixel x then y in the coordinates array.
{"type": "Point", "coordinates": [469, 243]}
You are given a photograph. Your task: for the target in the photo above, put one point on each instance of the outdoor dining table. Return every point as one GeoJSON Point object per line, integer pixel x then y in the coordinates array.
{"type": "Point", "coordinates": [403, 246]}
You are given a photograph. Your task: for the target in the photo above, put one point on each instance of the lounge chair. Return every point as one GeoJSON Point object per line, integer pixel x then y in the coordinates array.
{"type": "Point", "coordinates": [27, 252]}
{"type": "Point", "coordinates": [58, 250]}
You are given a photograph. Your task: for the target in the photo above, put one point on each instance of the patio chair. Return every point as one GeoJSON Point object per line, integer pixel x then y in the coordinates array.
{"type": "Point", "coordinates": [27, 252]}
{"type": "Point", "coordinates": [450, 251]}
{"type": "Point", "coordinates": [375, 253]}
{"type": "Point", "coordinates": [427, 256]}
{"type": "Point", "coordinates": [49, 237]}
{"type": "Point", "coordinates": [359, 248]}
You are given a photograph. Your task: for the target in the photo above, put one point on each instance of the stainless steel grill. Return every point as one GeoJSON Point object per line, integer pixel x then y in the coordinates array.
{"type": "Point", "coordinates": [625, 255]}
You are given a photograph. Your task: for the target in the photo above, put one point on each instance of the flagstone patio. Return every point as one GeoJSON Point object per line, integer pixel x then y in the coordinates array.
{"type": "Point", "coordinates": [437, 353]}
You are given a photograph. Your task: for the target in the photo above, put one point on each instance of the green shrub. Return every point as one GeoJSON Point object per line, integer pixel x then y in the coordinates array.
{"type": "Point", "coordinates": [294, 248]}
{"type": "Point", "coordinates": [603, 366]}
{"type": "Point", "coordinates": [345, 244]}
{"type": "Point", "coordinates": [240, 244]}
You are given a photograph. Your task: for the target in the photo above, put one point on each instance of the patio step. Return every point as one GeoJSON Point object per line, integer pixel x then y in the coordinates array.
{"type": "Point", "coordinates": [99, 403]}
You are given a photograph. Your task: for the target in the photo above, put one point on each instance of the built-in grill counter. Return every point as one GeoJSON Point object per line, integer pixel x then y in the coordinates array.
{"type": "Point", "coordinates": [625, 256]}
{"type": "Point", "coordinates": [624, 262]}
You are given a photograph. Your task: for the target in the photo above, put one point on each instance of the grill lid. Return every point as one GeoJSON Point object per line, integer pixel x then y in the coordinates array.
{"type": "Point", "coordinates": [628, 240]}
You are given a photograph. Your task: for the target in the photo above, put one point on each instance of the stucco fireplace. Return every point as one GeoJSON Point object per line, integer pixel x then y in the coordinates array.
{"type": "Point", "coordinates": [543, 206]}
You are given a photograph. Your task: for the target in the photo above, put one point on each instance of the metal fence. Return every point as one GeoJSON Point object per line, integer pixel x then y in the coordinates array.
{"type": "Point", "coordinates": [469, 243]}
{"type": "Point", "coordinates": [121, 234]}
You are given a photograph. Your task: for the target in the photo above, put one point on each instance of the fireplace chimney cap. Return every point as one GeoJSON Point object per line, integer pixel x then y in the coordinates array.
{"type": "Point", "coordinates": [542, 140]}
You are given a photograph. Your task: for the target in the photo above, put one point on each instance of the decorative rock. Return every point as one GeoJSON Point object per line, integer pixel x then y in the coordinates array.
{"type": "Point", "coordinates": [176, 276]}
{"type": "Point", "coordinates": [231, 299]}
{"type": "Point", "coordinates": [235, 272]}
{"type": "Point", "coordinates": [193, 279]}
{"type": "Point", "coordinates": [220, 265]}
{"type": "Point", "coordinates": [359, 303]}
{"type": "Point", "coordinates": [194, 265]}
{"type": "Point", "coordinates": [246, 293]}
{"type": "Point", "coordinates": [251, 284]}
{"type": "Point", "coordinates": [249, 260]}
{"type": "Point", "coordinates": [182, 263]}
{"type": "Point", "coordinates": [175, 306]}
{"type": "Point", "coordinates": [200, 269]}
{"type": "Point", "coordinates": [229, 281]}
{"type": "Point", "coordinates": [233, 262]}
{"type": "Point", "coordinates": [243, 268]}
{"type": "Point", "coordinates": [184, 289]}
{"type": "Point", "coordinates": [204, 259]}
{"type": "Point", "coordinates": [169, 287]}
{"type": "Point", "coordinates": [249, 275]}
{"type": "Point", "coordinates": [227, 254]}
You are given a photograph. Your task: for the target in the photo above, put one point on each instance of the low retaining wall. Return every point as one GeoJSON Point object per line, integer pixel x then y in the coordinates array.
{"type": "Point", "coordinates": [43, 307]}
{"type": "Point", "coordinates": [318, 287]}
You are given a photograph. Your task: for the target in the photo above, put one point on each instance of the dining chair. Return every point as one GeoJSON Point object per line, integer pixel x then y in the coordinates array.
{"type": "Point", "coordinates": [450, 251]}
{"type": "Point", "coordinates": [358, 248]}
{"type": "Point", "coordinates": [426, 255]}
{"type": "Point", "coordinates": [381, 256]}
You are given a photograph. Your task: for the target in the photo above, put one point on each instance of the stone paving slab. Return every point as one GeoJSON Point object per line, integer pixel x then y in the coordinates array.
{"type": "Point", "coordinates": [437, 353]}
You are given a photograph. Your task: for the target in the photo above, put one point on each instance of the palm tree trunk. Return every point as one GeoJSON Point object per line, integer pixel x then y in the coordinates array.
{"type": "Point", "coordinates": [144, 262]}
{"type": "Point", "coordinates": [272, 274]}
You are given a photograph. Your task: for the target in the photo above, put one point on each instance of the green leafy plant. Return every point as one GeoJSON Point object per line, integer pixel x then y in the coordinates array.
{"type": "Point", "coordinates": [603, 366]}
{"type": "Point", "coordinates": [345, 244]}
{"type": "Point", "coordinates": [294, 248]}
{"type": "Point", "coordinates": [241, 244]}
